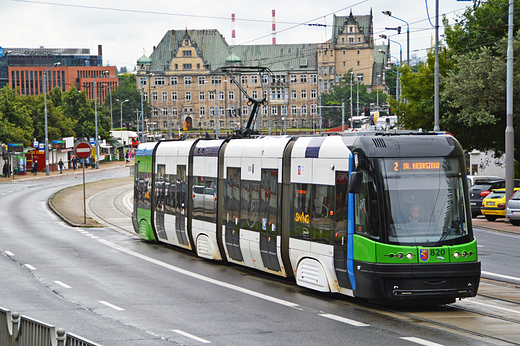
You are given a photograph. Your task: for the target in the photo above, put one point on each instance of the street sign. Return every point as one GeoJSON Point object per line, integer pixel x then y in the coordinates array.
{"type": "Point", "coordinates": [82, 150]}
{"type": "Point", "coordinates": [1, 52]}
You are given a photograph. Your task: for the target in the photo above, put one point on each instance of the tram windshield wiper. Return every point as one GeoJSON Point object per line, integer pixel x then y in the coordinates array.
{"type": "Point", "coordinates": [455, 226]}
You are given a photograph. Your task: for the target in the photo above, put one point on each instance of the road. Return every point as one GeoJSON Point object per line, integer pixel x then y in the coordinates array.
{"type": "Point", "coordinates": [106, 285]}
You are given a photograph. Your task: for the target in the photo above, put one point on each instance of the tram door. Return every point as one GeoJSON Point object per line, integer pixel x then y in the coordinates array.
{"type": "Point", "coordinates": [269, 198]}
{"type": "Point", "coordinates": [340, 232]}
{"type": "Point", "coordinates": [231, 220]}
{"type": "Point", "coordinates": [181, 201]}
{"type": "Point", "coordinates": [159, 202]}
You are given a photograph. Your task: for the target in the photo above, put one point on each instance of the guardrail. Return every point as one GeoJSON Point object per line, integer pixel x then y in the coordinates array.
{"type": "Point", "coordinates": [16, 330]}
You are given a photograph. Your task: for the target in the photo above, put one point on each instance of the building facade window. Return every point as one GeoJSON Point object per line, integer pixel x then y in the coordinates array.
{"type": "Point", "coordinates": [145, 96]}
{"type": "Point", "coordinates": [158, 81]}
{"type": "Point", "coordinates": [221, 95]}
{"type": "Point", "coordinates": [187, 96]}
{"type": "Point", "coordinates": [314, 78]}
{"type": "Point", "coordinates": [175, 111]}
{"type": "Point", "coordinates": [186, 67]}
{"type": "Point", "coordinates": [187, 80]}
{"type": "Point", "coordinates": [314, 93]}
{"type": "Point", "coordinates": [243, 80]}
{"type": "Point", "coordinates": [202, 111]}
{"type": "Point", "coordinates": [155, 111]}
{"type": "Point", "coordinates": [165, 111]}
{"type": "Point", "coordinates": [174, 96]}
{"type": "Point", "coordinates": [202, 80]}
{"type": "Point", "coordinates": [216, 80]}
{"type": "Point", "coordinates": [231, 95]}
{"type": "Point", "coordinates": [293, 78]}
{"type": "Point", "coordinates": [245, 111]}
{"type": "Point", "coordinates": [304, 94]}
{"type": "Point", "coordinates": [173, 80]}
{"type": "Point", "coordinates": [254, 79]}
{"type": "Point", "coordinates": [155, 96]}
{"type": "Point", "coordinates": [165, 96]}
{"type": "Point", "coordinates": [202, 95]}
{"type": "Point", "coordinates": [303, 78]}
{"type": "Point", "coordinates": [212, 95]}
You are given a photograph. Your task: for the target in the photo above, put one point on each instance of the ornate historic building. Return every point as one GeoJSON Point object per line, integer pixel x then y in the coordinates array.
{"type": "Point", "coordinates": [180, 82]}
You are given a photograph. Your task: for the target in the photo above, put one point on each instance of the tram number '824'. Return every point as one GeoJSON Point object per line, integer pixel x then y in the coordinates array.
{"type": "Point", "coordinates": [437, 252]}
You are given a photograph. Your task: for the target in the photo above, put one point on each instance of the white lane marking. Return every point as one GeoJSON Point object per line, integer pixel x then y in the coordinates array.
{"type": "Point", "coordinates": [9, 253]}
{"type": "Point", "coordinates": [420, 341]}
{"type": "Point", "coordinates": [191, 336]}
{"type": "Point", "coordinates": [200, 277]}
{"type": "Point", "coordinates": [500, 276]}
{"type": "Point", "coordinates": [494, 307]}
{"type": "Point", "coordinates": [345, 320]}
{"type": "Point", "coordinates": [62, 284]}
{"type": "Point", "coordinates": [28, 266]}
{"type": "Point", "coordinates": [115, 307]}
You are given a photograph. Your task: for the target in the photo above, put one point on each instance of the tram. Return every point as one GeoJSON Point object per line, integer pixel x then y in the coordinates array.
{"type": "Point", "coordinates": [379, 216]}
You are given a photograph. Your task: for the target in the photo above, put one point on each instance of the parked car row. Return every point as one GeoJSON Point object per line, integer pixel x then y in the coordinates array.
{"type": "Point", "coordinates": [488, 197]}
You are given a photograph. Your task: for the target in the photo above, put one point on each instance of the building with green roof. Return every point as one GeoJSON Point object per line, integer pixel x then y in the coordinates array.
{"type": "Point", "coordinates": [182, 83]}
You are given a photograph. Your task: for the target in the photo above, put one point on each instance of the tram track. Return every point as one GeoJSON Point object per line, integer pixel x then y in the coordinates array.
{"type": "Point", "coordinates": [493, 316]}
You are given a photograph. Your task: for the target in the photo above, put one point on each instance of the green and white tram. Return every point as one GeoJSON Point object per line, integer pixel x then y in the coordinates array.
{"type": "Point", "coordinates": [378, 216]}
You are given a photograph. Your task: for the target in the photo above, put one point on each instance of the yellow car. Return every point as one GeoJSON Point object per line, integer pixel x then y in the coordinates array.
{"type": "Point", "coordinates": [494, 205]}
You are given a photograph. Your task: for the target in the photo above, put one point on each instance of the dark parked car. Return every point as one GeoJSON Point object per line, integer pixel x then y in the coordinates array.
{"type": "Point", "coordinates": [483, 188]}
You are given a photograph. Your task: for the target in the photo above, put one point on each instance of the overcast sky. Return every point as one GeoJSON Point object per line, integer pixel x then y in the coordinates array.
{"type": "Point", "coordinates": [125, 27]}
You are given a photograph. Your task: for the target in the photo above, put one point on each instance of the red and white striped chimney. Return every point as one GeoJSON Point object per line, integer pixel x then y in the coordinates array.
{"type": "Point", "coordinates": [274, 27]}
{"type": "Point", "coordinates": [233, 29]}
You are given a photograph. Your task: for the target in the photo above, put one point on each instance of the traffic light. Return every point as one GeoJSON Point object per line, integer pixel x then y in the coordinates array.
{"type": "Point", "coordinates": [367, 111]}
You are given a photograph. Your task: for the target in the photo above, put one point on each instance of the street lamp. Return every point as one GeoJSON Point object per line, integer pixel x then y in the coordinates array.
{"type": "Point", "coordinates": [377, 90]}
{"type": "Point", "coordinates": [122, 120]}
{"type": "Point", "coordinates": [400, 52]}
{"type": "Point", "coordinates": [95, 115]}
{"type": "Point", "coordinates": [389, 14]}
{"type": "Point", "coordinates": [397, 91]}
{"type": "Point", "coordinates": [45, 102]}
{"type": "Point", "coordinates": [351, 106]}
{"type": "Point", "coordinates": [110, 92]}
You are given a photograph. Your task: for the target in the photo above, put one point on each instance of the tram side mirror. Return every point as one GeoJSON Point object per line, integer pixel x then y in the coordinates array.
{"type": "Point", "coordinates": [356, 179]}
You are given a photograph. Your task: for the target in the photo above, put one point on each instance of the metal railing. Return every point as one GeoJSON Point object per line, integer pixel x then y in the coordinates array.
{"type": "Point", "coordinates": [16, 330]}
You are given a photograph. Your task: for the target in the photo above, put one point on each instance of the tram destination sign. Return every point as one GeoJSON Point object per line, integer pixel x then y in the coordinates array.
{"type": "Point", "coordinates": [410, 166]}
{"type": "Point", "coordinates": [82, 150]}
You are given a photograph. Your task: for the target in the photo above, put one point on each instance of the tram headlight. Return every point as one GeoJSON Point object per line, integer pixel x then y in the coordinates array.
{"type": "Point", "coordinates": [456, 254]}
{"type": "Point", "coordinates": [409, 255]}
{"type": "Point", "coordinates": [464, 253]}
{"type": "Point", "coordinates": [400, 255]}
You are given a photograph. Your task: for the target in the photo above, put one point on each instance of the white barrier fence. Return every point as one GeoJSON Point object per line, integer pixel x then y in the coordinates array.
{"type": "Point", "coordinates": [16, 330]}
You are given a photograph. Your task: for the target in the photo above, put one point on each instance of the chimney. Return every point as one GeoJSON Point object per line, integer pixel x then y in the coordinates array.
{"type": "Point", "coordinates": [274, 28]}
{"type": "Point", "coordinates": [100, 50]}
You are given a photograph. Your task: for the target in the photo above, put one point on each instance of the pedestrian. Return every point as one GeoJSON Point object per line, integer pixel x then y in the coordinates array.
{"type": "Point", "coordinates": [35, 168]}
{"type": "Point", "coordinates": [93, 162]}
{"type": "Point", "coordinates": [126, 157]}
{"type": "Point", "coordinates": [6, 169]}
{"type": "Point", "coordinates": [207, 135]}
{"type": "Point", "coordinates": [74, 162]}
{"type": "Point", "coordinates": [60, 163]}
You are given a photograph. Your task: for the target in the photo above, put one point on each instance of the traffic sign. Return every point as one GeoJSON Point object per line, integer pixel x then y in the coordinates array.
{"type": "Point", "coordinates": [83, 150]}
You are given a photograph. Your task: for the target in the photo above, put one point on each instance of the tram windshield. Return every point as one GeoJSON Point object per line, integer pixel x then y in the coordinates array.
{"type": "Point", "coordinates": [425, 201]}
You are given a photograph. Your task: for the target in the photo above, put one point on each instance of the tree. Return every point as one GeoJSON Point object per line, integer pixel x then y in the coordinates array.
{"type": "Point", "coordinates": [16, 125]}
{"type": "Point", "coordinates": [475, 94]}
{"type": "Point", "coordinates": [126, 91]}
{"type": "Point", "coordinates": [58, 125]}
{"type": "Point", "coordinates": [417, 88]}
{"type": "Point", "coordinates": [479, 27]}
{"type": "Point", "coordinates": [341, 93]}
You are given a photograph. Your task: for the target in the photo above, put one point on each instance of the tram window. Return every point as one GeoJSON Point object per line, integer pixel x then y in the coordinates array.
{"type": "Point", "coordinates": [341, 203]}
{"type": "Point", "coordinates": [210, 200]}
{"type": "Point", "coordinates": [159, 188]}
{"type": "Point", "coordinates": [169, 193]}
{"type": "Point", "coordinates": [269, 199]}
{"type": "Point", "coordinates": [366, 210]}
{"type": "Point", "coordinates": [181, 190]}
{"type": "Point", "coordinates": [232, 195]}
{"type": "Point", "coordinates": [250, 200]}
{"type": "Point", "coordinates": [322, 222]}
{"type": "Point", "coordinates": [301, 211]}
